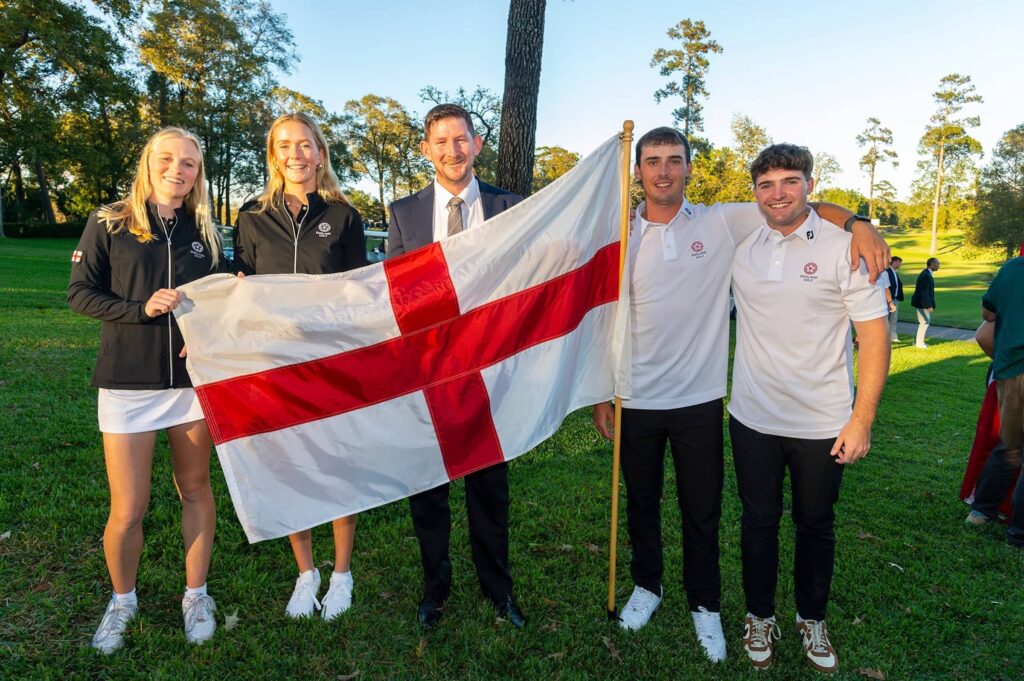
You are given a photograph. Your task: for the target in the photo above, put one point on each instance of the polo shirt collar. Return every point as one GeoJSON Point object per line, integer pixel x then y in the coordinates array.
{"type": "Point", "coordinates": [808, 231]}
{"type": "Point", "coordinates": [470, 194]}
{"type": "Point", "coordinates": [685, 210]}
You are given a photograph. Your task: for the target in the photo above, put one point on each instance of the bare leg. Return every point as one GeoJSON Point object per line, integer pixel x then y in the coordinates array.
{"type": "Point", "coordinates": [302, 547]}
{"type": "Point", "coordinates": [129, 459]}
{"type": "Point", "coordinates": [190, 459]}
{"type": "Point", "coordinates": [344, 538]}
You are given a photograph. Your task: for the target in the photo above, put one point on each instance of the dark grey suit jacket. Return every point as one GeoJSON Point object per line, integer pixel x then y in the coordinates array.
{"type": "Point", "coordinates": [412, 218]}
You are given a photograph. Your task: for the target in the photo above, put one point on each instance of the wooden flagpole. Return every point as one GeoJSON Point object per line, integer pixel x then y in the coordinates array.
{"type": "Point", "coordinates": [627, 139]}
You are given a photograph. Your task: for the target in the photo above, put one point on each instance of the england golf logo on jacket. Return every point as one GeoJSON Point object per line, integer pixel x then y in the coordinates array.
{"type": "Point", "coordinates": [323, 230]}
{"type": "Point", "coordinates": [810, 271]}
{"type": "Point", "coordinates": [198, 250]}
{"type": "Point", "coordinates": [76, 256]}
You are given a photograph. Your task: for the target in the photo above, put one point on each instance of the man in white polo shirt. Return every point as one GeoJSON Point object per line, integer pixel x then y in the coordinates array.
{"type": "Point", "coordinates": [680, 258]}
{"type": "Point", "coordinates": [792, 387]}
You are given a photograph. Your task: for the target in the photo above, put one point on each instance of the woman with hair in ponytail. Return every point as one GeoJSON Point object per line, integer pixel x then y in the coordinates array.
{"type": "Point", "coordinates": [302, 224]}
{"type": "Point", "coordinates": [130, 259]}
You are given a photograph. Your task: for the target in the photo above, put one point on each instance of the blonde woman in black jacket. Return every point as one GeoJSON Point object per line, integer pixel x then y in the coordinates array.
{"type": "Point", "coordinates": [131, 257]}
{"type": "Point", "coordinates": [303, 224]}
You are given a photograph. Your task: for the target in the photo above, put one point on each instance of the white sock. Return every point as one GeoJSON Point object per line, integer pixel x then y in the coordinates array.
{"type": "Point", "coordinates": [307, 573]}
{"type": "Point", "coordinates": [198, 591]}
{"type": "Point", "coordinates": [341, 577]}
{"type": "Point", "coordinates": [126, 599]}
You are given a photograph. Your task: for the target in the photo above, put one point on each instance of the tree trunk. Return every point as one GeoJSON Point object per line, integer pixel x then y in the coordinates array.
{"type": "Point", "coordinates": [524, 46]}
{"type": "Point", "coordinates": [871, 194]}
{"type": "Point", "coordinates": [19, 191]}
{"type": "Point", "coordinates": [2, 211]}
{"type": "Point", "coordinates": [935, 204]}
{"type": "Point", "coordinates": [380, 194]}
{"type": "Point", "coordinates": [44, 193]}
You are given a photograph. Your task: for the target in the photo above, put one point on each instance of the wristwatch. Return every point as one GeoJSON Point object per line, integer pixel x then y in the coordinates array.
{"type": "Point", "coordinates": [848, 225]}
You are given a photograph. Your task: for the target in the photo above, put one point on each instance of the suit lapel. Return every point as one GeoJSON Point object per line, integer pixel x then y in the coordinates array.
{"type": "Point", "coordinates": [488, 200]}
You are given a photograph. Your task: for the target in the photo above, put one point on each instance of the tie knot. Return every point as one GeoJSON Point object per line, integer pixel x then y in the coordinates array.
{"type": "Point", "coordinates": [455, 202]}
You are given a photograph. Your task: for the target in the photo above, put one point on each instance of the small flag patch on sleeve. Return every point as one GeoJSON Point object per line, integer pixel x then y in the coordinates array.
{"type": "Point", "coordinates": [76, 256]}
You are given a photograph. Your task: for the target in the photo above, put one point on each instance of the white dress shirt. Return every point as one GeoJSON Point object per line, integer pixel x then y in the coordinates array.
{"type": "Point", "coordinates": [472, 209]}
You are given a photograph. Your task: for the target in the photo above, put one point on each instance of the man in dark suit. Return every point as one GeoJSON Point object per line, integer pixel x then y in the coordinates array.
{"type": "Point", "coordinates": [895, 295]}
{"type": "Point", "coordinates": [924, 299]}
{"type": "Point", "coordinates": [454, 202]}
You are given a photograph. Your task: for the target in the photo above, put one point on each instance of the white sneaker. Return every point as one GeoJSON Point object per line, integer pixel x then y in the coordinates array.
{"type": "Point", "coordinates": [820, 653]}
{"type": "Point", "coordinates": [303, 602]}
{"type": "Point", "coordinates": [200, 623]}
{"type": "Point", "coordinates": [639, 608]}
{"type": "Point", "coordinates": [708, 626]}
{"type": "Point", "coordinates": [110, 634]}
{"type": "Point", "coordinates": [759, 637]}
{"type": "Point", "coordinates": [338, 598]}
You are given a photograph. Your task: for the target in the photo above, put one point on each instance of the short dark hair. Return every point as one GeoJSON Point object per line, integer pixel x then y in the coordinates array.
{"type": "Point", "coordinates": [659, 136]}
{"type": "Point", "coordinates": [895, 258]}
{"type": "Point", "coordinates": [931, 261]}
{"type": "Point", "coordinates": [442, 111]}
{"type": "Point", "coordinates": [782, 157]}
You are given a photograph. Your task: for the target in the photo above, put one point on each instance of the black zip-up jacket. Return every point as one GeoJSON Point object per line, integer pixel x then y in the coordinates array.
{"type": "Point", "coordinates": [328, 239]}
{"type": "Point", "coordinates": [112, 277]}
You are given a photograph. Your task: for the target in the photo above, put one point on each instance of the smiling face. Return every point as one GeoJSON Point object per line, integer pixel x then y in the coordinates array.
{"type": "Point", "coordinates": [663, 172]}
{"type": "Point", "coordinates": [451, 147]}
{"type": "Point", "coordinates": [174, 164]}
{"type": "Point", "coordinates": [297, 156]}
{"type": "Point", "coordinates": [781, 195]}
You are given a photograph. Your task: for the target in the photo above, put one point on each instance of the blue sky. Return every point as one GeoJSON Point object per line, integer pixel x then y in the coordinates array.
{"type": "Point", "coordinates": [809, 73]}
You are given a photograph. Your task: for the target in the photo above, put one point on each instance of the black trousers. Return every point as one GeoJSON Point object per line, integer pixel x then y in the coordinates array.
{"type": "Point", "coordinates": [487, 512]}
{"type": "Point", "coordinates": [995, 479]}
{"type": "Point", "coordinates": [695, 435]}
{"type": "Point", "coordinates": [761, 461]}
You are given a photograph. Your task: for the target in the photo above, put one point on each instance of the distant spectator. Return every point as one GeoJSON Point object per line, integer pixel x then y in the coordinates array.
{"type": "Point", "coordinates": [1004, 305]}
{"type": "Point", "coordinates": [924, 299]}
{"type": "Point", "coordinates": [891, 283]}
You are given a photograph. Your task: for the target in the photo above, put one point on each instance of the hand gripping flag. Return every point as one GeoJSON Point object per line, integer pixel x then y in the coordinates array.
{"type": "Point", "coordinates": [330, 395]}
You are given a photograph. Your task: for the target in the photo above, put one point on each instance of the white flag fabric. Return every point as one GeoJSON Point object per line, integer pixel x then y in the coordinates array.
{"type": "Point", "coordinates": [329, 395]}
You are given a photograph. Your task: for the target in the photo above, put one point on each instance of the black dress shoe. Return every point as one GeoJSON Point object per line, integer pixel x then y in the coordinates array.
{"type": "Point", "coordinates": [507, 609]}
{"type": "Point", "coordinates": [429, 612]}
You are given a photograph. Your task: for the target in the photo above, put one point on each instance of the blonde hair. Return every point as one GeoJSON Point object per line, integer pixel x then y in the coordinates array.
{"type": "Point", "coordinates": [327, 184]}
{"type": "Point", "coordinates": [132, 213]}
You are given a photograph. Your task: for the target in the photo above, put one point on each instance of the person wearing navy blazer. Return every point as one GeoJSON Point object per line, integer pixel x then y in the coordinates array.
{"type": "Point", "coordinates": [411, 225]}
{"type": "Point", "coordinates": [455, 201]}
{"type": "Point", "coordinates": [924, 299]}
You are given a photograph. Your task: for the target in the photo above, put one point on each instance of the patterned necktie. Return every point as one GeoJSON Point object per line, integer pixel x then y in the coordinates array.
{"type": "Point", "coordinates": [455, 215]}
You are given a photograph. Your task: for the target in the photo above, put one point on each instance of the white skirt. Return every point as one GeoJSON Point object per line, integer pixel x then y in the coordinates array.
{"type": "Point", "coordinates": [143, 411]}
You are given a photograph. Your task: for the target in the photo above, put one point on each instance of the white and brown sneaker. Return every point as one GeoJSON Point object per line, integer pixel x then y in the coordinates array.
{"type": "Point", "coordinates": [820, 653]}
{"type": "Point", "coordinates": [759, 636]}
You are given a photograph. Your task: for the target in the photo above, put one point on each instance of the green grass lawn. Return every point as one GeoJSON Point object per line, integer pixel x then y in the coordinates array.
{"type": "Point", "coordinates": [917, 595]}
{"type": "Point", "coordinates": [960, 282]}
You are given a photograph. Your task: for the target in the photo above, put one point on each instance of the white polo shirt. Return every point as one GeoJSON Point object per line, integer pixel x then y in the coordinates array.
{"type": "Point", "coordinates": [472, 209]}
{"type": "Point", "coordinates": [679, 303]}
{"type": "Point", "coordinates": [795, 298]}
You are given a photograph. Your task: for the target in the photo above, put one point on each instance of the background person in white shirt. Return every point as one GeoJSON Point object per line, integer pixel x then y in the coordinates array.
{"type": "Point", "coordinates": [791, 394]}
{"type": "Point", "coordinates": [680, 259]}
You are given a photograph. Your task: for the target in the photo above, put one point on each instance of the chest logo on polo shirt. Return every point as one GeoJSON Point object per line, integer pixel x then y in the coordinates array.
{"type": "Point", "coordinates": [697, 250]}
{"type": "Point", "coordinates": [323, 230]}
{"type": "Point", "coordinates": [810, 271]}
{"type": "Point", "coordinates": [197, 250]}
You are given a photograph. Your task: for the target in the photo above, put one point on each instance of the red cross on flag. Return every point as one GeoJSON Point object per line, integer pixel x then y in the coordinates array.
{"type": "Point", "coordinates": [330, 395]}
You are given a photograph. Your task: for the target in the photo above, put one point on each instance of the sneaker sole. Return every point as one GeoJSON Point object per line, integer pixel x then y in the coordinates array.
{"type": "Point", "coordinates": [818, 668]}
{"type": "Point", "coordinates": [107, 650]}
